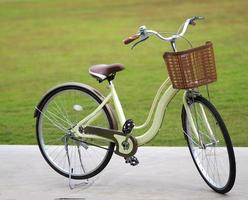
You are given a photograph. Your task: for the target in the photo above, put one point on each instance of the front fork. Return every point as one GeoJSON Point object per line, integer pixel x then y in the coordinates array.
{"type": "Point", "coordinates": [189, 95]}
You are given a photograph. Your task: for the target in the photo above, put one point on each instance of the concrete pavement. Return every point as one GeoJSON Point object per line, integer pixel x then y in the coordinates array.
{"type": "Point", "coordinates": [163, 173]}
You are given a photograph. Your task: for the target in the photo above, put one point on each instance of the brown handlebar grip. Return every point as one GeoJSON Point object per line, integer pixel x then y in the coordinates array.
{"type": "Point", "coordinates": [130, 39]}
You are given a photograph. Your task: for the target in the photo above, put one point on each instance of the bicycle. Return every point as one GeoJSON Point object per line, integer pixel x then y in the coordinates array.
{"type": "Point", "coordinates": [77, 130]}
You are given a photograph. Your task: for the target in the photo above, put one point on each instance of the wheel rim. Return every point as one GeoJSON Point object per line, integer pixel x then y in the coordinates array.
{"type": "Point", "coordinates": [60, 113]}
{"type": "Point", "coordinates": [208, 150]}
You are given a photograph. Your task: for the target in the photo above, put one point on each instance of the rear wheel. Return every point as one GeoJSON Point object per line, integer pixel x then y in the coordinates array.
{"type": "Point", "coordinates": [211, 148]}
{"type": "Point", "coordinates": [61, 110]}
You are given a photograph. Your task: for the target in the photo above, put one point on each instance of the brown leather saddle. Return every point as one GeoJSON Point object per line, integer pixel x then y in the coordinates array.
{"type": "Point", "coordinates": [104, 71]}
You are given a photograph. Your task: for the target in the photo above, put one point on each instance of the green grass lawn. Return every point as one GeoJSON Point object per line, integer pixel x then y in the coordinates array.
{"type": "Point", "coordinates": [44, 43]}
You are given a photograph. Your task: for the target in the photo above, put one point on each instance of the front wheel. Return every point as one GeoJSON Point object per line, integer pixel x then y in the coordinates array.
{"type": "Point", "coordinates": [58, 112]}
{"type": "Point", "coordinates": [210, 145]}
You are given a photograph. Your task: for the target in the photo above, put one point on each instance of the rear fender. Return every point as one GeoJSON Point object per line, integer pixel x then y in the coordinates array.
{"type": "Point", "coordinates": [87, 87]}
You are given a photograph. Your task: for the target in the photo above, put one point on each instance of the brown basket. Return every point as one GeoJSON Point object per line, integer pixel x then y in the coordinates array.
{"type": "Point", "coordinates": [191, 68]}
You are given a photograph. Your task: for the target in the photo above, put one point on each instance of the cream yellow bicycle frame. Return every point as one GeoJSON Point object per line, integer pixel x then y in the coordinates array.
{"type": "Point", "coordinates": [163, 97]}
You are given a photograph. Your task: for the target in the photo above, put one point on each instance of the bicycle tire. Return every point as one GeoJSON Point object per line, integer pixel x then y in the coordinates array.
{"type": "Point", "coordinates": [110, 121]}
{"type": "Point", "coordinates": [228, 182]}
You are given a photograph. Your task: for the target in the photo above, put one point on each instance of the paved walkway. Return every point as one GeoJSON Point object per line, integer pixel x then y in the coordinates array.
{"type": "Point", "coordinates": [163, 173]}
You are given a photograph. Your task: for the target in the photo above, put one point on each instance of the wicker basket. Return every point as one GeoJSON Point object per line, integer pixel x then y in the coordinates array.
{"type": "Point", "coordinates": [191, 68]}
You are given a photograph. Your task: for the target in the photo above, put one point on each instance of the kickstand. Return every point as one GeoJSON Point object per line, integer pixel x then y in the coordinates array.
{"type": "Point", "coordinates": [71, 185]}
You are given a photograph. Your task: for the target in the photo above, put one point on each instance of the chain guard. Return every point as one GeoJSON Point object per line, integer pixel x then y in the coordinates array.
{"type": "Point", "coordinates": [126, 146]}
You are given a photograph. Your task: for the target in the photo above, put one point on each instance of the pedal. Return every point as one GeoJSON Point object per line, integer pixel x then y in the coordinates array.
{"type": "Point", "coordinates": [132, 160]}
{"type": "Point", "coordinates": [128, 126]}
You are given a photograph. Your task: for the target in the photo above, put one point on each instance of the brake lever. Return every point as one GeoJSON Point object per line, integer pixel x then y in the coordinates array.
{"type": "Point", "coordinates": [192, 20]}
{"type": "Point", "coordinates": [143, 36]}
{"type": "Point", "coordinates": [142, 40]}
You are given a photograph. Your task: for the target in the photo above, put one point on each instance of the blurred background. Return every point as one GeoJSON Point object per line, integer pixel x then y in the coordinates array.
{"type": "Point", "coordinates": [47, 42]}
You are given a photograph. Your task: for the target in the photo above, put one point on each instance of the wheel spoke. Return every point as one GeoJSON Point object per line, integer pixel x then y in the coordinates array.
{"type": "Point", "coordinates": [56, 118]}
{"type": "Point", "coordinates": [62, 111]}
{"type": "Point", "coordinates": [54, 122]}
{"type": "Point", "coordinates": [210, 152]}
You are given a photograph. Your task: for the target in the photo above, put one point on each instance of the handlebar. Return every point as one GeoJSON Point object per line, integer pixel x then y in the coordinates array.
{"type": "Point", "coordinates": [144, 33]}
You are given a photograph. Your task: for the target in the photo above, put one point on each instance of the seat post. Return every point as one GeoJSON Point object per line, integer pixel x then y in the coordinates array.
{"type": "Point", "coordinates": [110, 78]}
{"type": "Point", "coordinates": [117, 104]}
